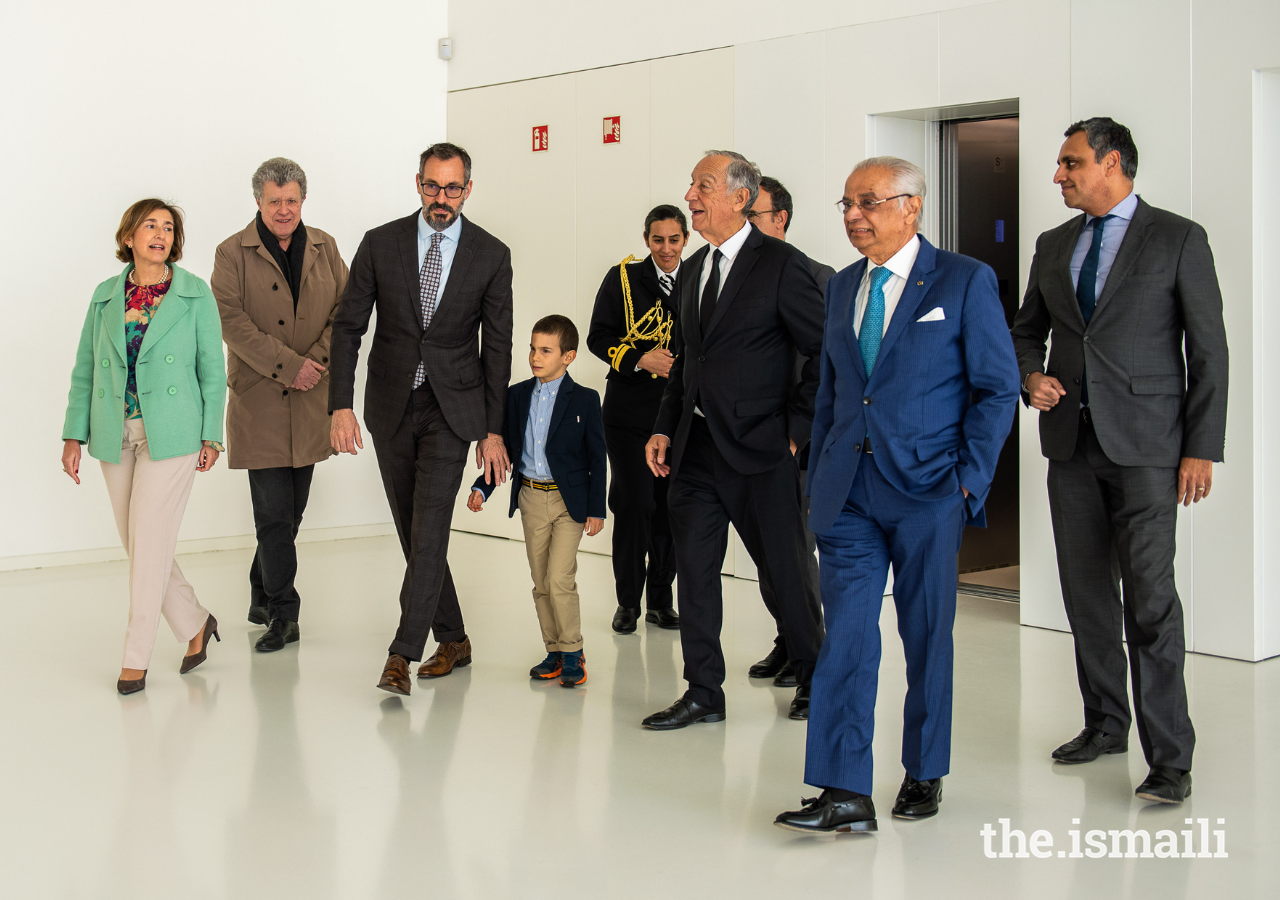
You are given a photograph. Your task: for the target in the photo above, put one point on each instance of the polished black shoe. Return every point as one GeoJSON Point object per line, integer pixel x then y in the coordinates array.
{"type": "Point", "coordinates": [800, 705]}
{"type": "Point", "coordinates": [826, 815]}
{"type": "Point", "coordinates": [786, 677]}
{"type": "Point", "coordinates": [281, 632]}
{"type": "Point", "coordinates": [681, 714]}
{"type": "Point", "coordinates": [663, 618]}
{"type": "Point", "coordinates": [771, 665]}
{"type": "Point", "coordinates": [1088, 745]}
{"type": "Point", "coordinates": [259, 615]}
{"type": "Point", "coordinates": [624, 620]}
{"type": "Point", "coordinates": [918, 799]}
{"type": "Point", "coordinates": [1165, 784]}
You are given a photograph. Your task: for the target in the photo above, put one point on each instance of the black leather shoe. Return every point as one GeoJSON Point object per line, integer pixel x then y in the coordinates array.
{"type": "Point", "coordinates": [624, 620]}
{"type": "Point", "coordinates": [259, 615]}
{"type": "Point", "coordinates": [771, 664]}
{"type": "Point", "coordinates": [1165, 784]}
{"type": "Point", "coordinates": [681, 714]}
{"type": "Point", "coordinates": [1088, 745]}
{"type": "Point", "coordinates": [663, 618]}
{"type": "Point", "coordinates": [786, 677]}
{"type": "Point", "coordinates": [800, 705]}
{"type": "Point", "coordinates": [825, 815]}
{"type": "Point", "coordinates": [918, 799]}
{"type": "Point", "coordinates": [281, 632]}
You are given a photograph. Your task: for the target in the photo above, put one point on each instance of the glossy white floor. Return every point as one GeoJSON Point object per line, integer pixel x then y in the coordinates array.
{"type": "Point", "coordinates": [289, 775]}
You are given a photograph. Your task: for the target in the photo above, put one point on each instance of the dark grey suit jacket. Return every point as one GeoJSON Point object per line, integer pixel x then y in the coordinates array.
{"type": "Point", "coordinates": [466, 350]}
{"type": "Point", "coordinates": [1152, 401]}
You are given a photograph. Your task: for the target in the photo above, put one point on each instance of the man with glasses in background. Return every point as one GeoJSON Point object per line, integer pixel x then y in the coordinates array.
{"type": "Point", "coordinates": [438, 374]}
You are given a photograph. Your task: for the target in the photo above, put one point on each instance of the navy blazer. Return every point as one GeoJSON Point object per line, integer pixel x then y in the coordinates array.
{"type": "Point", "coordinates": [941, 397]}
{"type": "Point", "coordinates": [575, 447]}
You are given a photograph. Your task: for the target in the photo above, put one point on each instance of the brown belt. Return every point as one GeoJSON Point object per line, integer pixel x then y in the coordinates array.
{"type": "Point", "coordinates": [539, 485]}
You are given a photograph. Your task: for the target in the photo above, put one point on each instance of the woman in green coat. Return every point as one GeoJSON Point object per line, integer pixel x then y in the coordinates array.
{"type": "Point", "coordinates": [147, 396]}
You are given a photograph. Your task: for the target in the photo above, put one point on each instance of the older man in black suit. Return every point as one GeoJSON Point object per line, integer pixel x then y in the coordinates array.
{"type": "Point", "coordinates": [438, 374]}
{"type": "Point", "coordinates": [731, 420]}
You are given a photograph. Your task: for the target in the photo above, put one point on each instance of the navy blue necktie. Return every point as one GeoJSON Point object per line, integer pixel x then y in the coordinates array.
{"type": "Point", "coordinates": [1087, 286]}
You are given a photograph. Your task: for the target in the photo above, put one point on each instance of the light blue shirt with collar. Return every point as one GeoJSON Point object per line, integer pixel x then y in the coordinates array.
{"type": "Point", "coordinates": [448, 248]}
{"type": "Point", "coordinates": [533, 456]}
{"type": "Point", "coordinates": [1113, 233]}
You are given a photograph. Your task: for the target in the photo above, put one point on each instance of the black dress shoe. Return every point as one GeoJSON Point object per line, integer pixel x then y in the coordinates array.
{"type": "Point", "coordinates": [663, 618]}
{"type": "Point", "coordinates": [681, 714]}
{"type": "Point", "coordinates": [1088, 745]}
{"type": "Point", "coordinates": [918, 799]}
{"type": "Point", "coordinates": [259, 615]}
{"type": "Point", "coordinates": [800, 705]}
{"type": "Point", "coordinates": [826, 815]}
{"type": "Point", "coordinates": [786, 677]}
{"type": "Point", "coordinates": [1165, 784]}
{"type": "Point", "coordinates": [281, 632]}
{"type": "Point", "coordinates": [624, 620]}
{"type": "Point", "coordinates": [771, 664]}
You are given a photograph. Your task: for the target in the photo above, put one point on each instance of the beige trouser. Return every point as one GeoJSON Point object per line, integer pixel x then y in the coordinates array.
{"type": "Point", "coordinates": [149, 497]}
{"type": "Point", "coordinates": [551, 540]}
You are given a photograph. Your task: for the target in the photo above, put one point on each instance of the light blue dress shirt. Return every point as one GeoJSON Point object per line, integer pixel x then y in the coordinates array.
{"type": "Point", "coordinates": [533, 456]}
{"type": "Point", "coordinates": [448, 247]}
{"type": "Point", "coordinates": [1112, 236]}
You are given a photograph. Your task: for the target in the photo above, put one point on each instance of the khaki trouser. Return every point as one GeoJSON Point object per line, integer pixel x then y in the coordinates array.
{"type": "Point", "coordinates": [551, 540]}
{"type": "Point", "coordinates": [149, 497]}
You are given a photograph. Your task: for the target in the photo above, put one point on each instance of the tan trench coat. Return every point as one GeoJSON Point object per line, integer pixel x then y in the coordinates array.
{"type": "Point", "coordinates": [268, 424]}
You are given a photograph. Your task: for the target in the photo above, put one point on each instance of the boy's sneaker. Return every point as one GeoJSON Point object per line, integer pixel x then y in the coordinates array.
{"type": "Point", "coordinates": [574, 670]}
{"type": "Point", "coordinates": [549, 668]}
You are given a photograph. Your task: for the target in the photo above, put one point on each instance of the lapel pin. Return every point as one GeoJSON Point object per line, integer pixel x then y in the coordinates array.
{"type": "Point", "coordinates": [919, 282]}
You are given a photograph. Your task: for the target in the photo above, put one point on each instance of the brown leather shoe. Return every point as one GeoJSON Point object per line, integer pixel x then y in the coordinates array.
{"type": "Point", "coordinates": [446, 657]}
{"type": "Point", "coordinates": [395, 675]}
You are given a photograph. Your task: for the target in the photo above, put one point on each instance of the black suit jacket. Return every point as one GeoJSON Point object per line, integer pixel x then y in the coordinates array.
{"type": "Point", "coordinates": [466, 350]}
{"type": "Point", "coordinates": [821, 273]}
{"type": "Point", "coordinates": [631, 398]}
{"type": "Point", "coordinates": [575, 447]}
{"type": "Point", "coordinates": [741, 372]}
{"type": "Point", "coordinates": [1155, 350]}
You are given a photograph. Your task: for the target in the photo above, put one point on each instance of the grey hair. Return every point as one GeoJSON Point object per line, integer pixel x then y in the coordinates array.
{"type": "Point", "coordinates": [742, 173]}
{"type": "Point", "coordinates": [908, 178]}
{"type": "Point", "coordinates": [281, 171]}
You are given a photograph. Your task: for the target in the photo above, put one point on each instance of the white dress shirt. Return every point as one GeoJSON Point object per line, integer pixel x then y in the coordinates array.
{"type": "Point", "coordinates": [448, 247]}
{"type": "Point", "coordinates": [672, 274]}
{"type": "Point", "coordinates": [729, 249]}
{"type": "Point", "coordinates": [900, 265]}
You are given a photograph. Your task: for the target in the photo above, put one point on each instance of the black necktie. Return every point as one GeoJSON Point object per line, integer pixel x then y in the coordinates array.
{"type": "Point", "coordinates": [711, 291]}
{"type": "Point", "coordinates": [1087, 286]}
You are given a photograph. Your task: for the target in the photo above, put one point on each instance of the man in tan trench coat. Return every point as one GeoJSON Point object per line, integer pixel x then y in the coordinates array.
{"type": "Point", "coordinates": [277, 283]}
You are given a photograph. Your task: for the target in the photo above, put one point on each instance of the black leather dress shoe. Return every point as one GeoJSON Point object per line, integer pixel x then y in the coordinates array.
{"type": "Point", "coordinates": [786, 677]}
{"type": "Point", "coordinates": [825, 815]}
{"type": "Point", "coordinates": [663, 618]}
{"type": "Point", "coordinates": [681, 714]}
{"type": "Point", "coordinates": [1088, 745]}
{"type": "Point", "coordinates": [1165, 784]}
{"type": "Point", "coordinates": [259, 615]}
{"type": "Point", "coordinates": [280, 632]}
{"type": "Point", "coordinates": [771, 664]}
{"type": "Point", "coordinates": [624, 620]}
{"type": "Point", "coordinates": [800, 705]}
{"type": "Point", "coordinates": [918, 799]}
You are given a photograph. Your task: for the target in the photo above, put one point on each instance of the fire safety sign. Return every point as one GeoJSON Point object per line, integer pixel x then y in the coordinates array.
{"type": "Point", "coordinates": [613, 129]}
{"type": "Point", "coordinates": [540, 137]}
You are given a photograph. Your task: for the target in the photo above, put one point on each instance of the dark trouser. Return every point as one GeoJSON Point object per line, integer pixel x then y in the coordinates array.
{"type": "Point", "coordinates": [706, 497]}
{"type": "Point", "coordinates": [811, 580]}
{"type": "Point", "coordinates": [279, 499]}
{"type": "Point", "coordinates": [638, 502]}
{"type": "Point", "coordinates": [1114, 524]}
{"type": "Point", "coordinates": [421, 467]}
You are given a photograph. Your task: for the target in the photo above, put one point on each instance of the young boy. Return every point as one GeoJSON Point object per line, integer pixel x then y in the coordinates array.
{"type": "Point", "coordinates": [555, 435]}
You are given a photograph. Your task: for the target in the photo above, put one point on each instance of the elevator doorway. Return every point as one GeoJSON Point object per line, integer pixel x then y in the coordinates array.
{"type": "Point", "coordinates": [979, 217]}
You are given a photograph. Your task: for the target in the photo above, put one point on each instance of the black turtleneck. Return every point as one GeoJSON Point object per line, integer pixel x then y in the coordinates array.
{"type": "Point", "coordinates": [289, 261]}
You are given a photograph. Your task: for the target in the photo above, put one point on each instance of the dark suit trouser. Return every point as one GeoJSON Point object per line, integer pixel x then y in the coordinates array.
{"type": "Point", "coordinates": [421, 467]}
{"type": "Point", "coordinates": [641, 527]}
{"type": "Point", "coordinates": [706, 497]}
{"type": "Point", "coordinates": [878, 527]}
{"type": "Point", "coordinates": [1116, 524]}
{"type": "Point", "coordinates": [279, 498]}
{"type": "Point", "coordinates": [769, 596]}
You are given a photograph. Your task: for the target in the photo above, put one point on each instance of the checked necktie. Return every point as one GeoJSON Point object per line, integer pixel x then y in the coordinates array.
{"type": "Point", "coordinates": [428, 289]}
{"type": "Point", "coordinates": [1087, 287]}
{"type": "Point", "coordinates": [872, 331]}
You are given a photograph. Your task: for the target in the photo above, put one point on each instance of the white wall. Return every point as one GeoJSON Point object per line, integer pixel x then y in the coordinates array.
{"type": "Point", "coordinates": [104, 104]}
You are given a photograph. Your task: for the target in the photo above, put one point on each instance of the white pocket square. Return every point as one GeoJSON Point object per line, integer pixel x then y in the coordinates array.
{"type": "Point", "coordinates": [933, 315]}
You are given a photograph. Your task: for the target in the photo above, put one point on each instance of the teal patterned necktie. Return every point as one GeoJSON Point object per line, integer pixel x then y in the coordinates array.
{"type": "Point", "coordinates": [872, 331]}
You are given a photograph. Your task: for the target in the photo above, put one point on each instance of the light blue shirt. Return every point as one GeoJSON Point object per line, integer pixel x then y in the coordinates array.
{"type": "Point", "coordinates": [533, 456]}
{"type": "Point", "coordinates": [1112, 236]}
{"type": "Point", "coordinates": [448, 247]}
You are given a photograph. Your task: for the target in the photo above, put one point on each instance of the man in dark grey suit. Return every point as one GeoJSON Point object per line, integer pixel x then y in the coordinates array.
{"type": "Point", "coordinates": [438, 374]}
{"type": "Point", "coordinates": [1131, 424]}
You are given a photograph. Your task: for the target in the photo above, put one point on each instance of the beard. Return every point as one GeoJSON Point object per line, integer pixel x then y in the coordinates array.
{"type": "Point", "coordinates": [450, 215]}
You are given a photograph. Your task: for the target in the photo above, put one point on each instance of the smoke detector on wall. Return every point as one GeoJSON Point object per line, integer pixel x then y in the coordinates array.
{"type": "Point", "coordinates": [446, 48]}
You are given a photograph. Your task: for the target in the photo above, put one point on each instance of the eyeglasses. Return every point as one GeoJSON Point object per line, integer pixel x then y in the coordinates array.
{"type": "Point", "coordinates": [431, 189]}
{"type": "Point", "coordinates": [844, 204]}
{"type": "Point", "coordinates": [756, 213]}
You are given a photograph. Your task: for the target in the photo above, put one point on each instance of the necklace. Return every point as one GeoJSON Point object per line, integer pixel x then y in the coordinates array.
{"type": "Point", "coordinates": [163, 278]}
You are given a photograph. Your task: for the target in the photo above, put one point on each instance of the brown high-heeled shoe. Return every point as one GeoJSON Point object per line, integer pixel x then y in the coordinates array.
{"type": "Point", "coordinates": [190, 662]}
{"type": "Point", "coordinates": [132, 687]}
